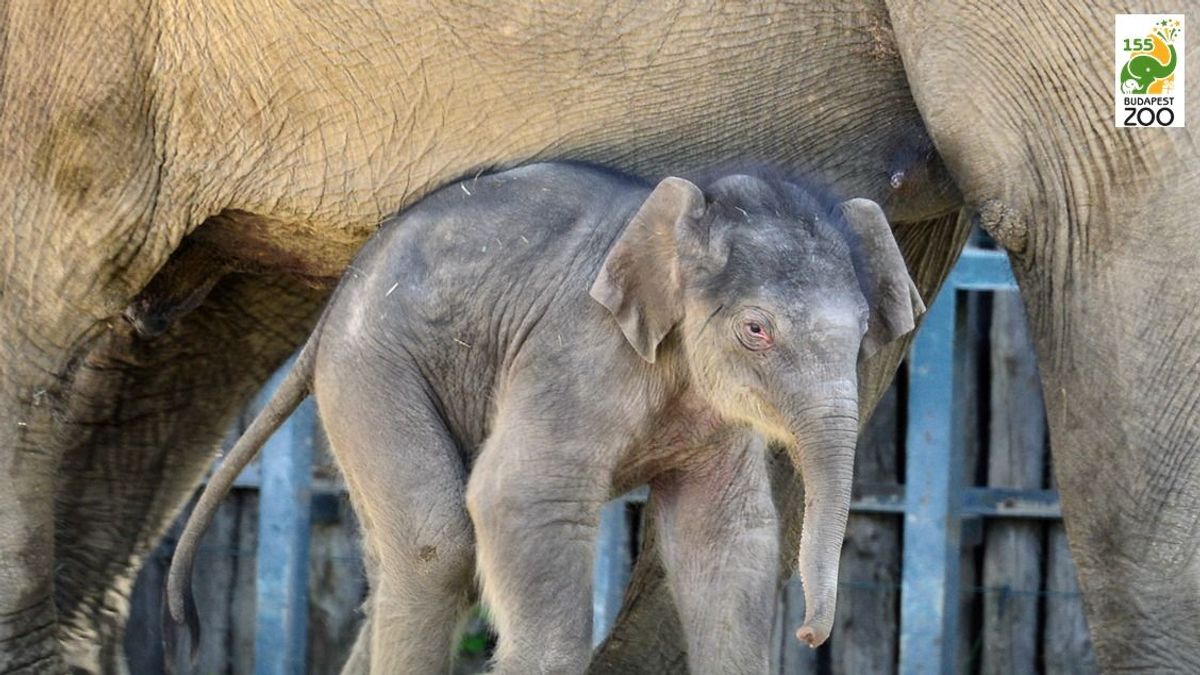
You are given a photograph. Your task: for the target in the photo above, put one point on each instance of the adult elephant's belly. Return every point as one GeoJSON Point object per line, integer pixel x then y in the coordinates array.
{"type": "Point", "coordinates": [302, 129]}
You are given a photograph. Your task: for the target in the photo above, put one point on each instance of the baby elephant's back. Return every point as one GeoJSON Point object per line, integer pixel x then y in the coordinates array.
{"type": "Point", "coordinates": [488, 251]}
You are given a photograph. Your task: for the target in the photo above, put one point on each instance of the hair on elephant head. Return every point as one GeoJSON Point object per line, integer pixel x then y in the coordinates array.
{"type": "Point", "coordinates": [776, 292]}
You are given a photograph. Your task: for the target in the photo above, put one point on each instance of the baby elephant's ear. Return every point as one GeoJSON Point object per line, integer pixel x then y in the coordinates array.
{"type": "Point", "coordinates": [893, 297]}
{"type": "Point", "coordinates": [639, 281]}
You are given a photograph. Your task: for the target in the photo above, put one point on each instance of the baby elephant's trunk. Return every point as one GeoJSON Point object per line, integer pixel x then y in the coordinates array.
{"type": "Point", "coordinates": [826, 438]}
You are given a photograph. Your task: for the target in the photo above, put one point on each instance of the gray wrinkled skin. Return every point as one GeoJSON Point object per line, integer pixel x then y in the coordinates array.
{"type": "Point", "coordinates": [518, 348]}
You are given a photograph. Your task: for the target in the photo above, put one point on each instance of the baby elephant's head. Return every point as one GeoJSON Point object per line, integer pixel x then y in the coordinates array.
{"type": "Point", "coordinates": [774, 296]}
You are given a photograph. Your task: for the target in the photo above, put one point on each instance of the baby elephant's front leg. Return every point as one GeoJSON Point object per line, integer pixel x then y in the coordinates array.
{"type": "Point", "coordinates": [719, 539]}
{"type": "Point", "coordinates": [536, 506]}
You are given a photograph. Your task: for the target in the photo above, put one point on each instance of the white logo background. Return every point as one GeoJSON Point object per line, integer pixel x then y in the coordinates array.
{"type": "Point", "coordinates": [1148, 110]}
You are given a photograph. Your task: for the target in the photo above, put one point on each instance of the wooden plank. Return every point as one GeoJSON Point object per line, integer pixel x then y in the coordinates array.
{"type": "Point", "coordinates": [865, 631]}
{"type": "Point", "coordinates": [243, 602]}
{"type": "Point", "coordinates": [1066, 644]}
{"type": "Point", "coordinates": [795, 657]}
{"type": "Point", "coordinates": [337, 587]}
{"type": "Point", "coordinates": [1012, 568]}
{"type": "Point", "coordinates": [775, 656]}
{"type": "Point", "coordinates": [143, 634]}
{"type": "Point", "coordinates": [212, 583]}
{"type": "Point", "coordinates": [929, 604]}
{"type": "Point", "coordinates": [969, 357]}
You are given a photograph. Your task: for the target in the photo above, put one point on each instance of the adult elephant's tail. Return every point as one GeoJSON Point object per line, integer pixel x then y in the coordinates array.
{"type": "Point", "coordinates": [180, 606]}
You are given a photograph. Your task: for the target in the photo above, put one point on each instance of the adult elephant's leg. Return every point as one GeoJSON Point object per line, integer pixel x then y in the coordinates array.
{"type": "Point", "coordinates": [1101, 224]}
{"type": "Point", "coordinates": [79, 193]}
{"type": "Point", "coordinates": [1117, 335]}
{"type": "Point", "coordinates": [157, 409]}
{"type": "Point", "coordinates": [1113, 308]}
{"type": "Point", "coordinates": [647, 637]}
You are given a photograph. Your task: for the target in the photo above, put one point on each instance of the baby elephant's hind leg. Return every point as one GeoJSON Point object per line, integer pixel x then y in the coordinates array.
{"type": "Point", "coordinates": [406, 479]}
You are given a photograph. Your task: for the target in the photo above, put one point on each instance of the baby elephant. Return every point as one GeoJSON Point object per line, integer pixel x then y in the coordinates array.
{"type": "Point", "coordinates": [518, 348]}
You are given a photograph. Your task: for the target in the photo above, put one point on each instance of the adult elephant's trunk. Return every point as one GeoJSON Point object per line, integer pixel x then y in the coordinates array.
{"type": "Point", "coordinates": [825, 456]}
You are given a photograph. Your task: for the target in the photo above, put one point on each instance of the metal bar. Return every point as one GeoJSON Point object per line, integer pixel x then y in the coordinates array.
{"type": "Point", "coordinates": [284, 519]}
{"type": "Point", "coordinates": [637, 495]}
{"type": "Point", "coordinates": [251, 479]}
{"type": "Point", "coordinates": [611, 570]}
{"type": "Point", "coordinates": [1011, 503]}
{"type": "Point", "coordinates": [981, 270]}
{"type": "Point", "coordinates": [977, 501]}
{"type": "Point", "coordinates": [878, 498]}
{"type": "Point", "coordinates": [930, 571]}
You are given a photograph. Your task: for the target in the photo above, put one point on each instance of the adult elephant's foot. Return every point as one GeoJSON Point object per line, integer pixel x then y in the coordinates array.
{"type": "Point", "coordinates": [157, 409]}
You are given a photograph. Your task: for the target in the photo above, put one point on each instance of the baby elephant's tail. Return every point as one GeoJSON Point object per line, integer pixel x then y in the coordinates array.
{"type": "Point", "coordinates": [179, 605]}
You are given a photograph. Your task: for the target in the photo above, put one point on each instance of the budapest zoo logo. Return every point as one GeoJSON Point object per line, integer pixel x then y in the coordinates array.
{"type": "Point", "coordinates": [1150, 70]}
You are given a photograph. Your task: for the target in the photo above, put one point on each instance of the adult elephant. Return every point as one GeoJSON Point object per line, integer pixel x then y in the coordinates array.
{"type": "Point", "coordinates": [273, 136]}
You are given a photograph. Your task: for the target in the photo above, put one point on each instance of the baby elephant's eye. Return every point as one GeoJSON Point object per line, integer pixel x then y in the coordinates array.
{"type": "Point", "coordinates": [755, 335]}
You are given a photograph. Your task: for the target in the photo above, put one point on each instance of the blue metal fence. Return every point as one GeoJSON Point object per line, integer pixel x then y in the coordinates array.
{"type": "Point", "coordinates": [933, 501]}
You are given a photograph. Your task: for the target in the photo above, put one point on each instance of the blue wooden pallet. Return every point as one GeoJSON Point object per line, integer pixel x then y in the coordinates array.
{"type": "Point", "coordinates": [933, 501]}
